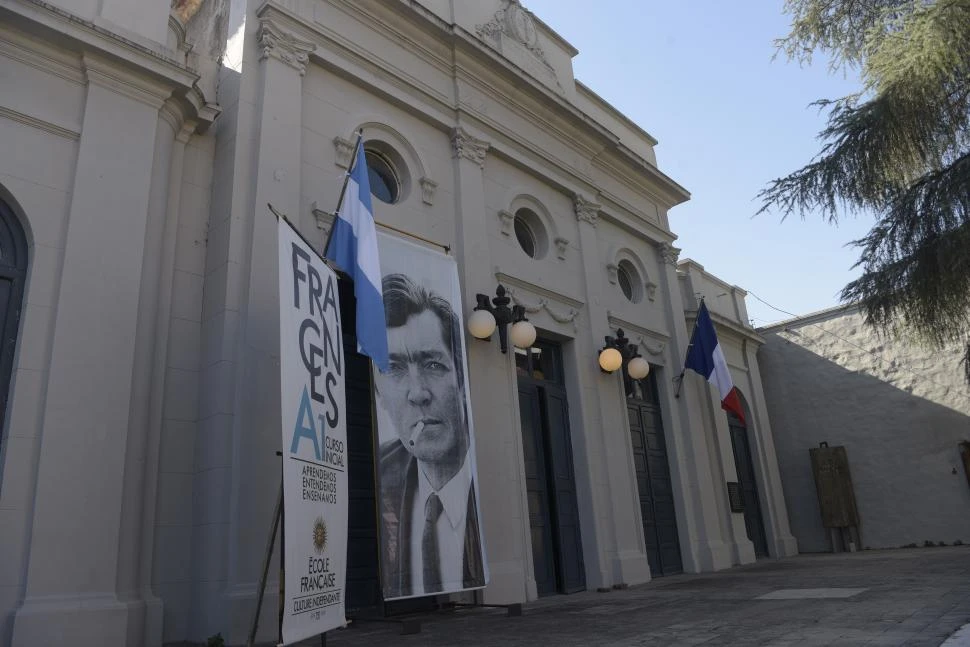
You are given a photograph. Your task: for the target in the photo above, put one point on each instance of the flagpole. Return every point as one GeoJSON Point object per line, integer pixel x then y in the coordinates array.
{"type": "Point", "coordinates": [680, 378]}
{"type": "Point", "coordinates": [343, 189]}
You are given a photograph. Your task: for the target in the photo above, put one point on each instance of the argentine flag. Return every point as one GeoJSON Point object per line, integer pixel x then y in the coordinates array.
{"type": "Point", "coordinates": [706, 358]}
{"type": "Point", "coordinates": [353, 248]}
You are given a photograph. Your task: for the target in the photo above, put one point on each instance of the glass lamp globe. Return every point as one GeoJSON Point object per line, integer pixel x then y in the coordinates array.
{"type": "Point", "coordinates": [522, 334]}
{"type": "Point", "coordinates": [638, 368]}
{"type": "Point", "coordinates": [610, 359]}
{"type": "Point", "coordinates": [481, 324]}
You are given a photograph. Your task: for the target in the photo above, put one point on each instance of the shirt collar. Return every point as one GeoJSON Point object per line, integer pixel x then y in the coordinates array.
{"type": "Point", "coordinates": [453, 494]}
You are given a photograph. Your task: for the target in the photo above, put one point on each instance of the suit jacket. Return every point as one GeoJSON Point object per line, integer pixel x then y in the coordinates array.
{"type": "Point", "coordinates": [398, 483]}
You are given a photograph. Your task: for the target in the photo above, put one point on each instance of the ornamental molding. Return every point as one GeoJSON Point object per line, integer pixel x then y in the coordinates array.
{"type": "Point", "coordinates": [561, 308]}
{"type": "Point", "coordinates": [586, 210]}
{"type": "Point", "coordinates": [669, 253]}
{"type": "Point", "coordinates": [428, 188]}
{"type": "Point", "coordinates": [513, 21]}
{"type": "Point", "coordinates": [508, 220]}
{"type": "Point", "coordinates": [343, 151]}
{"type": "Point", "coordinates": [649, 341]}
{"type": "Point", "coordinates": [532, 307]}
{"type": "Point", "coordinates": [562, 244]}
{"type": "Point", "coordinates": [283, 46]}
{"type": "Point", "coordinates": [469, 147]}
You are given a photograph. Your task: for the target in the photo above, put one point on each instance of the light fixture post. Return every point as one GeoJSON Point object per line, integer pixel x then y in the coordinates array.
{"type": "Point", "coordinates": [498, 306]}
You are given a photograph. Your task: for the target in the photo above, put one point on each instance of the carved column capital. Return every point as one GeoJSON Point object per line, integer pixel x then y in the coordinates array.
{"type": "Point", "coordinates": [669, 253]}
{"type": "Point", "coordinates": [469, 147]}
{"type": "Point", "coordinates": [283, 46]}
{"type": "Point", "coordinates": [586, 210]}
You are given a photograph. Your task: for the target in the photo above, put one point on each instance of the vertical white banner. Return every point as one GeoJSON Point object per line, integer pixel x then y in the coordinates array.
{"type": "Point", "coordinates": [314, 434]}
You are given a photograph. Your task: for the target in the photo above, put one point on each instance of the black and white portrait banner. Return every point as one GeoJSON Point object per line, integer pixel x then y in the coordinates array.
{"type": "Point", "coordinates": [314, 435]}
{"type": "Point", "coordinates": [430, 526]}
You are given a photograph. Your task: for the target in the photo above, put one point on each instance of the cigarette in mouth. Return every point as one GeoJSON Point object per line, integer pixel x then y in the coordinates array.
{"type": "Point", "coordinates": [418, 428]}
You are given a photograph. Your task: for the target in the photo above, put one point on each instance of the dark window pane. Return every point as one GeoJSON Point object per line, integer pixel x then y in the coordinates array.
{"type": "Point", "coordinates": [383, 179]}
{"type": "Point", "coordinates": [523, 233]}
{"type": "Point", "coordinates": [626, 284]}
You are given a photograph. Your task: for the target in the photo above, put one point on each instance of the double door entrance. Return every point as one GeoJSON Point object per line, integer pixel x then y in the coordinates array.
{"type": "Point", "coordinates": [653, 478]}
{"type": "Point", "coordinates": [557, 550]}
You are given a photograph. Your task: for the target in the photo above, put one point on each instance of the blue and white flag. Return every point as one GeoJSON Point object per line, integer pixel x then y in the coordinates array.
{"type": "Point", "coordinates": [353, 247]}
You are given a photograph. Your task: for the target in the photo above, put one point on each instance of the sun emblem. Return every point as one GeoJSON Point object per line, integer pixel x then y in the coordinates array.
{"type": "Point", "coordinates": [319, 535]}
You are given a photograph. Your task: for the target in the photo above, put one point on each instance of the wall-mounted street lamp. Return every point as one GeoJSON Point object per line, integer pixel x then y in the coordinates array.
{"type": "Point", "coordinates": [618, 353]}
{"type": "Point", "coordinates": [497, 314]}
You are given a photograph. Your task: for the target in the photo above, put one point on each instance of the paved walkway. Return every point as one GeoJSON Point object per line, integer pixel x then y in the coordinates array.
{"type": "Point", "coordinates": [894, 597]}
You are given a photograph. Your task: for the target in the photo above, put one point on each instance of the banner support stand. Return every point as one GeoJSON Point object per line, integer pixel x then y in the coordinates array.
{"type": "Point", "coordinates": [266, 560]}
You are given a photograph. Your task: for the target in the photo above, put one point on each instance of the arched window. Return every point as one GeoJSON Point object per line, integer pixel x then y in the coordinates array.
{"type": "Point", "coordinates": [13, 271]}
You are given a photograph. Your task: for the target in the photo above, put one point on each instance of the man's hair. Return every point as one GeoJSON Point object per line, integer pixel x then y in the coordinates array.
{"type": "Point", "coordinates": [403, 299]}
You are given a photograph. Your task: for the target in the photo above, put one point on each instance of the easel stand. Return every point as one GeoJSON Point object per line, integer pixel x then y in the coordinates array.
{"type": "Point", "coordinates": [267, 558]}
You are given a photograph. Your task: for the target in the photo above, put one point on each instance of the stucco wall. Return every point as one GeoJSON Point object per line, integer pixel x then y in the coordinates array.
{"type": "Point", "coordinates": [899, 409]}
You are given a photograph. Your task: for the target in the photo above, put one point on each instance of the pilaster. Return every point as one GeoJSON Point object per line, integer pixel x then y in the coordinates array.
{"type": "Point", "coordinates": [83, 551]}
{"type": "Point", "coordinates": [247, 383]}
{"type": "Point", "coordinates": [695, 499]}
{"type": "Point", "coordinates": [600, 548]}
{"type": "Point", "coordinates": [781, 543]}
{"type": "Point", "coordinates": [494, 393]}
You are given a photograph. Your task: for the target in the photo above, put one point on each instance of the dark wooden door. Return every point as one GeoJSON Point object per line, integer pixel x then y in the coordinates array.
{"type": "Point", "coordinates": [363, 583]}
{"type": "Point", "coordinates": [653, 481]}
{"type": "Point", "coordinates": [539, 496]}
{"type": "Point", "coordinates": [13, 271]}
{"type": "Point", "coordinates": [557, 548]}
{"type": "Point", "coordinates": [749, 488]}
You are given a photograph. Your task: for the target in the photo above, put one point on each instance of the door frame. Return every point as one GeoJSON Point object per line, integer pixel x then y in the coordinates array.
{"type": "Point", "coordinates": [16, 273]}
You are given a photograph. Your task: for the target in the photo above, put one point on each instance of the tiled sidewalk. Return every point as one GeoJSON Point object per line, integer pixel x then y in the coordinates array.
{"type": "Point", "coordinates": [913, 597]}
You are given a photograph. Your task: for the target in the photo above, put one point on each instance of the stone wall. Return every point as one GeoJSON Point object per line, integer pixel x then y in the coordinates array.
{"type": "Point", "coordinates": [899, 408]}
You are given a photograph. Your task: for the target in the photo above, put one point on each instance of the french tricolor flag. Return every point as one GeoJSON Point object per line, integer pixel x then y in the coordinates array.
{"type": "Point", "coordinates": [706, 358]}
{"type": "Point", "coordinates": [353, 248]}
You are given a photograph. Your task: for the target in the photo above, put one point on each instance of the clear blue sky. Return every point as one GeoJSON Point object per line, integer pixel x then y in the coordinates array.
{"type": "Point", "coordinates": [700, 78]}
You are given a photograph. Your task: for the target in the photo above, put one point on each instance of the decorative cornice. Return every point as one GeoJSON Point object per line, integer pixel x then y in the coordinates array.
{"type": "Point", "coordinates": [469, 147]}
{"type": "Point", "coordinates": [586, 210]}
{"type": "Point", "coordinates": [428, 188]}
{"type": "Point", "coordinates": [343, 151]}
{"type": "Point", "coordinates": [56, 63]}
{"type": "Point", "coordinates": [283, 46]}
{"type": "Point", "coordinates": [106, 74]}
{"type": "Point", "coordinates": [47, 126]}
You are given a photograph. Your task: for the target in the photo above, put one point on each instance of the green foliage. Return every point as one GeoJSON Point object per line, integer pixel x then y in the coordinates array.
{"type": "Point", "coordinates": [899, 149]}
{"type": "Point", "coordinates": [216, 641]}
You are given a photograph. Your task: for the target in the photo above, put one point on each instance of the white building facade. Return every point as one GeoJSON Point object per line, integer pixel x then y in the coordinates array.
{"type": "Point", "coordinates": [139, 433]}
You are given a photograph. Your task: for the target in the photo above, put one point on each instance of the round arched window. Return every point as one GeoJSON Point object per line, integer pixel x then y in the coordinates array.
{"type": "Point", "coordinates": [530, 233]}
{"type": "Point", "coordinates": [629, 281]}
{"type": "Point", "coordinates": [384, 182]}
{"type": "Point", "coordinates": [525, 236]}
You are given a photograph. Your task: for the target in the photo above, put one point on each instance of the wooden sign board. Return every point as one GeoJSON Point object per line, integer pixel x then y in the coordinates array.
{"type": "Point", "coordinates": [833, 483]}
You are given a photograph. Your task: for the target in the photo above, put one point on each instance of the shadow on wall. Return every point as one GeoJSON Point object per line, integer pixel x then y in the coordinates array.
{"type": "Point", "coordinates": [902, 450]}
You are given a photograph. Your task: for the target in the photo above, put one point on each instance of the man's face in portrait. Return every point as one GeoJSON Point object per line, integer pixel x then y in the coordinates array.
{"type": "Point", "coordinates": [420, 391]}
